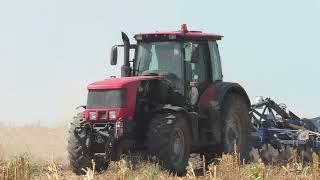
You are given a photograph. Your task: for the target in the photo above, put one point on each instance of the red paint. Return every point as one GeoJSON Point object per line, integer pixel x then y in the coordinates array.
{"type": "Point", "coordinates": [208, 96]}
{"type": "Point", "coordinates": [131, 84]}
{"type": "Point", "coordinates": [119, 83]}
{"type": "Point", "coordinates": [190, 34]}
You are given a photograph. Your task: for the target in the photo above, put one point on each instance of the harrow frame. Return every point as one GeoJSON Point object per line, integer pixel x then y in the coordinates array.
{"type": "Point", "coordinates": [273, 125]}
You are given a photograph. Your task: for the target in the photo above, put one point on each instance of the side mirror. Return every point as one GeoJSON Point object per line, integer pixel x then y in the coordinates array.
{"type": "Point", "coordinates": [191, 52]}
{"type": "Point", "coordinates": [114, 55]}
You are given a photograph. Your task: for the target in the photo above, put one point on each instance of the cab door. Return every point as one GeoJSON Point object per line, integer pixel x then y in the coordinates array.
{"type": "Point", "coordinates": [198, 67]}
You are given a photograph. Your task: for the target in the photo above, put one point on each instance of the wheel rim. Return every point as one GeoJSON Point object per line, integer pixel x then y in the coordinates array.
{"type": "Point", "coordinates": [178, 145]}
{"type": "Point", "coordinates": [232, 133]}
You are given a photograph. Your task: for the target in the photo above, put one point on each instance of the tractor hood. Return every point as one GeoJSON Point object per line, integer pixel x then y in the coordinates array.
{"type": "Point", "coordinates": [119, 83]}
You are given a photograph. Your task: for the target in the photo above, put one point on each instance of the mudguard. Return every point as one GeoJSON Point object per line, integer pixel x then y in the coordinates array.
{"type": "Point", "coordinates": [210, 105]}
{"type": "Point", "coordinates": [214, 95]}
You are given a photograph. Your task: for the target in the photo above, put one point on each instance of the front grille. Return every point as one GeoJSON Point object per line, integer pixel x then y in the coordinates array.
{"type": "Point", "coordinates": [104, 99]}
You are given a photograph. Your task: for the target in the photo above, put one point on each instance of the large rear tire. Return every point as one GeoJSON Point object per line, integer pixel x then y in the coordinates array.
{"type": "Point", "coordinates": [169, 141]}
{"type": "Point", "coordinates": [77, 154]}
{"type": "Point", "coordinates": [236, 126]}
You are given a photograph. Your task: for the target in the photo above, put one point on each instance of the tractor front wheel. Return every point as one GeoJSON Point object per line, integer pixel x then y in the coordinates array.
{"type": "Point", "coordinates": [78, 157]}
{"type": "Point", "coordinates": [169, 141]}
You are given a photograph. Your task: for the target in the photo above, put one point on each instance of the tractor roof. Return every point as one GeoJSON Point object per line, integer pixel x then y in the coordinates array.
{"type": "Point", "coordinates": [177, 35]}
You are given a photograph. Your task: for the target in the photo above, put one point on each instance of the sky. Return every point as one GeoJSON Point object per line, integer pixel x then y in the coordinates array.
{"type": "Point", "coordinates": [51, 50]}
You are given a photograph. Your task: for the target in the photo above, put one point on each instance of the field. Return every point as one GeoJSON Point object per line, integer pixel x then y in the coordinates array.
{"type": "Point", "coordinates": [39, 152]}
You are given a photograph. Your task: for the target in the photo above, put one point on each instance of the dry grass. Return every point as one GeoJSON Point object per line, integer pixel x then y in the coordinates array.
{"type": "Point", "coordinates": [53, 171]}
{"type": "Point", "coordinates": [228, 167]}
{"type": "Point", "coordinates": [17, 168]}
{"type": "Point", "coordinates": [46, 159]}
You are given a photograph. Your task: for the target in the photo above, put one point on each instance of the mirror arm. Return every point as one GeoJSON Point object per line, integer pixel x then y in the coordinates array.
{"type": "Point", "coordinates": [132, 46]}
{"type": "Point", "coordinates": [114, 52]}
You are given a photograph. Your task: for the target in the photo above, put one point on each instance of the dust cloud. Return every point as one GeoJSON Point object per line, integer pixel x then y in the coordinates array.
{"type": "Point", "coordinates": [43, 144]}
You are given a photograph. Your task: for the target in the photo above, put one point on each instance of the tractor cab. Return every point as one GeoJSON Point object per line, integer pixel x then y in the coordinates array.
{"type": "Point", "coordinates": [189, 60]}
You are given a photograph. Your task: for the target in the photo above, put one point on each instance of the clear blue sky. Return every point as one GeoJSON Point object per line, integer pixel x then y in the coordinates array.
{"type": "Point", "coordinates": [50, 50]}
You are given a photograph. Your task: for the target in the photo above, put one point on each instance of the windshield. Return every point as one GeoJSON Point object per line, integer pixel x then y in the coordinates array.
{"type": "Point", "coordinates": [162, 56]}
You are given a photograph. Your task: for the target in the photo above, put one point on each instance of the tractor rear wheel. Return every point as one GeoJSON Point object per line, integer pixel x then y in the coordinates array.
{"type": "Point", "coordinates": [77, 154]}
{"type": "Point", "coordinates": [169, 141]}
{"type": "Point", "coordinates": [236, 126]}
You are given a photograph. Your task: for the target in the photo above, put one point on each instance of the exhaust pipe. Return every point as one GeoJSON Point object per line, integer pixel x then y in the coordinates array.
{"type": "Point", "coordinates": [125, 68]}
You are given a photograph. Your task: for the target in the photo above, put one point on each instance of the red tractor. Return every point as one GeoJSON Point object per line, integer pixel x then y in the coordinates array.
{"type": "Point", "coordinates": [170, 102]}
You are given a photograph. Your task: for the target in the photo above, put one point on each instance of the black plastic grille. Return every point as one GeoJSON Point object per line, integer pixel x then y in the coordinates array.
{"type": "Point", "coordinates": [104, 99]}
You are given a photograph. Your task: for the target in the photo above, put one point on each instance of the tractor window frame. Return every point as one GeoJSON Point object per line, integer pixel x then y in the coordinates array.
{"type": "Point", "coordinates": [215, 60]}
{"type": "Point", "coordinates": [205, 62]}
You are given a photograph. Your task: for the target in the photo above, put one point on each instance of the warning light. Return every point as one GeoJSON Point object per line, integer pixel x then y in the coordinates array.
{"type": "Point", "coordinates": [184, 28]}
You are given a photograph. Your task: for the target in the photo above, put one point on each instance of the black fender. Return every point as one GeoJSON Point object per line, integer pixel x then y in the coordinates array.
{"type": "Point", "coordinates": [211, 102]}
{"type": "Point", "coordinates": [225, 88]}
{"type": "Point", "coordinates": [192, 120]}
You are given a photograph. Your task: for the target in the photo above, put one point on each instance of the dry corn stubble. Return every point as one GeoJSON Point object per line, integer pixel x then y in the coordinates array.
{"type": "Point", "coordinates": [38, 141]}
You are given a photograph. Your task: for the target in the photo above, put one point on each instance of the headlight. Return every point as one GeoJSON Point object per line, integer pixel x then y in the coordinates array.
{"type": "Point", "coordinates": [112, 115]}
{"type": "Point", "coordinates": [92, 116]}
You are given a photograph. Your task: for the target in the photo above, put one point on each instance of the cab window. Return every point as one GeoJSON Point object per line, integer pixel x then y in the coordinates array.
{"type": "Point", "coordinates": [198, 68]}
{"type": "Point", "coordinates": [215, 61]}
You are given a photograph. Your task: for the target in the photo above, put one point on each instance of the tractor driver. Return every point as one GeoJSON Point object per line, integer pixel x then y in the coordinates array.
{"type": "Point", "coordinates": [170, 60]}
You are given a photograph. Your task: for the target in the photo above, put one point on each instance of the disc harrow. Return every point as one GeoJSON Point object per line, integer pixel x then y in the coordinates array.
{"type": "Point", "coordinates": [275, 127]}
